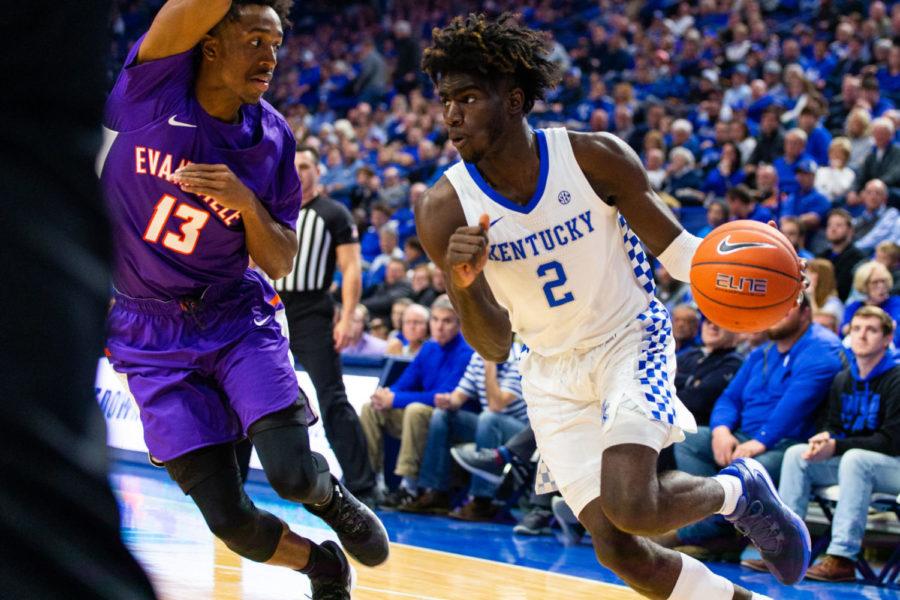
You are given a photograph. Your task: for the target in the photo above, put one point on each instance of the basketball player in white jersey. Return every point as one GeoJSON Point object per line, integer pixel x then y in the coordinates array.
{"type": "Point", "coordinates": [534, 230]}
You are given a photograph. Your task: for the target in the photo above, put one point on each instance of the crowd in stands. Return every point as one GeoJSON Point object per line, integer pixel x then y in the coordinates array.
{"type": "Point", "coordinates": [740, 109]}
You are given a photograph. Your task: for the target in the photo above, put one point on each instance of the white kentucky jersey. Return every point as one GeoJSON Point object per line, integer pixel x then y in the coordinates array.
{"type": "Point", "coordinates": [566, 265]}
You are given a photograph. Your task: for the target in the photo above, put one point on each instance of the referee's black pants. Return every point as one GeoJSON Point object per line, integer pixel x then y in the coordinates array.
{"type": "Point", "coordinates": [312, 343]}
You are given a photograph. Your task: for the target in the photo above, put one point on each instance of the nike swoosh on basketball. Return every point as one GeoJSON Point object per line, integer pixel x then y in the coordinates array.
{"type": "Point", "coordinates": [494, 222]}
{"type": "Point", "coordinates": [176, 123]}
{"type": "Point", "coordinates": [726, 247]}
{"type": "Point", "coordinates": [260, 322]}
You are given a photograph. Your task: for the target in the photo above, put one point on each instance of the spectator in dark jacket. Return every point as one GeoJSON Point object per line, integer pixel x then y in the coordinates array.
{"type": "Point", "coordinates": [395, 285]}
{"type": "Point", "coordinates": [704, 372]}
{"type": "Point", "coordinates": [859, 448]}
{"type": "Point", "coordinates": [842, 253]}
{"type": "Point", "coordinates": [883, 161]}
{"type": "Point", "coordinates": [769, 142]}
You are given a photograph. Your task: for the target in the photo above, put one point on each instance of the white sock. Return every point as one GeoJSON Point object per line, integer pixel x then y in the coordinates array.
{"type": "Point", "coordinates": [756, 596]}
{"type": "Point", "coordinates": [733, 490]}
{"type": "Point", "coordinates": [411, 485]}
{"type": "Point", "coordinates": [696, 582]}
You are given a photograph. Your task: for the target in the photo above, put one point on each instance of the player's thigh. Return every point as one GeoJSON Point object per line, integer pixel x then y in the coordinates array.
{"type": "Point", "coordinates": [256, 374]}
{"type": "Point", "coordinates": [180, 409]}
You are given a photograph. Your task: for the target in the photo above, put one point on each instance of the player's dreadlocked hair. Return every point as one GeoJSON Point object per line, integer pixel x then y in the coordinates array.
{"type": "Point", "coordinates": [282, 9]}
{"type": "Point", "coordinates": [493, 49]}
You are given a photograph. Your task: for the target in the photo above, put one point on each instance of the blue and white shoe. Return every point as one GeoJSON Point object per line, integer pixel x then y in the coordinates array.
{"type": "Point", "coordinates": [777, 532]}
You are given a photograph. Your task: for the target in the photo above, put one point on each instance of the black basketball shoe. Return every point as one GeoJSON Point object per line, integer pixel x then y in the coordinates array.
{"type": "Point", "coordinates": [334, 588]}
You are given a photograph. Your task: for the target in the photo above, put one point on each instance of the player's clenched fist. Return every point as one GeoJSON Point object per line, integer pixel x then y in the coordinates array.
{"type": "Point", "coordinates": [467, 252]}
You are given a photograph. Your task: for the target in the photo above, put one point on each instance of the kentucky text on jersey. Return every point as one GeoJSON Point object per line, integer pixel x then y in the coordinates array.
{"type": "Point", "coordinates": [558, 235]}
{"type": "Point", "coordinates": [148, 161]}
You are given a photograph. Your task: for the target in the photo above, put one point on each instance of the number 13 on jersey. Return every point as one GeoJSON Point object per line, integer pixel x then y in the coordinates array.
{"type": "Point", "coordinates": [557, 274]}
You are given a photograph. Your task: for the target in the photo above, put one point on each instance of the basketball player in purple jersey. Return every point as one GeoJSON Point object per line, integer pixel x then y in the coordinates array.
{"type": "Point", "coordinates": [198, 174]}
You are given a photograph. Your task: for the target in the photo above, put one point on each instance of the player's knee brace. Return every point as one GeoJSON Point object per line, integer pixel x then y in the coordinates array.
{"type": "Point", "coordinates": [246, 530]}
{"type": "Point", "coordinates": [305, 479]}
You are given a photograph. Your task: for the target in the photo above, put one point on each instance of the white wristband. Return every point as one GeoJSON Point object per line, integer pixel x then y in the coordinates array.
{"type": "Point", "coordinates": [677, 257]}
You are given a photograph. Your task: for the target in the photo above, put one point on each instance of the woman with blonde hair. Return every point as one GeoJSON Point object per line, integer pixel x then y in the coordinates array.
{"type": "Point", "coordinates": [835, 180]}
{"type": "Point", "coordinates": [857, 128]}
{"type": "Point", "coordinates": [874, 282]}
{"type": "Point", "coordinates": [822, 289]}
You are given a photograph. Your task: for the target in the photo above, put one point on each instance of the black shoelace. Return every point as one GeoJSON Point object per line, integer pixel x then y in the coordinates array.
{"type": "Point", "coordinates": [762, 528]}
{"type": "Point", "coordinates": [345, 518]}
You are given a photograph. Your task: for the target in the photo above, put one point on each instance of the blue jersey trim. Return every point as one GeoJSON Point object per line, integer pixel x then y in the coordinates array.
{"type": "Point", "coordinates": [538, 192]}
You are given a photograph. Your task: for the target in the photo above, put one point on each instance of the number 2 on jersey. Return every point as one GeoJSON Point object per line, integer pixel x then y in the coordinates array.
{"type": "Point", "coordinates": [185, 241]}
{"type": "Point", "coordinates": [550, 286]}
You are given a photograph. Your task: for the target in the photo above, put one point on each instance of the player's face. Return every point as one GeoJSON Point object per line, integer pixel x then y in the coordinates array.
{"type": "Point", "coordinates": [473, 114]}
{"type": "Point", "coordinates": [444, 325]}
{"type": "Point", "coordinates": [867, 338]}
{"type": "Point", "coordinates": [246, 52]}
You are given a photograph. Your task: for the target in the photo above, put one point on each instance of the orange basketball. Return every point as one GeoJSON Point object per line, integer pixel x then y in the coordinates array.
{"type": "Point", "coordinates": [745, 276]}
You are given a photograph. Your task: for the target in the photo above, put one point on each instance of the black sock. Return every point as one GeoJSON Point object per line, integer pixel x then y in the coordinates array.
{"type": "Point", "coordinates": [322, 562]}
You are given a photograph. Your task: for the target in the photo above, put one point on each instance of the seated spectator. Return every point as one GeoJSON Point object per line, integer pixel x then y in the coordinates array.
{"type": "Point", "coordinates": [404, 409]}
{"type": "Point", "coordinates": [818, 137]}
{"type": "Point", "coordinates": [727, 173]}
{"type": "Point", "coordinates": [795, 232]}
{"type": "Point", "coordinates": [378, 328]}
{"type": "Point", "coordinates": [769, 142]}
{"type": "Point", "coordinates": [743, 204]}
{"type": "Point", "coordinates": [805, 203]}
{"type": "Point", "coordinates": [414, 332]}
{"type": "Point", "coordinates": [835, 180]}
{"type": "Point", "coordinates": [822, 290]}
{"type": "Point", "coordinates": [841, 251]}
{"type": "Point", "coordinates": [882, 162]}
{"type": "Point", "coordinates": [859, 448]}
{"type": "Point", "coordinates": [420, 283]}
{"type": "Point", "coordinates": [702, 375]}
{"type": "Point", "coordinates": [878, 222]}
{"type": "Point", "coordinates": [683, 180]}
{"type": "Point", "coordinates": [794, 152]}
{"type": "Point", "coordinates": [397, 309]}
{"type": "Point", "coordinates": [363, 343]}
{"type": "Point", "coordinates": [888, 254]}
{"type": "Point", "coordinates": [685, 326]}
{"type": "Point", "coordinates": [716, 214]}
{"type": "Point", "coordinates": [858, 129]}
{"type": "Point", "coordinates": [387, 243]}
{"type": "Point", "coordinates": [828, 320]}
{"type": "Point", "coordinates": [395, 285]}
{"type": "Point", "coordinates": [498, 391]}
{"type": "Point", "coordinates": [769, 406]}
{"type": "Point", "coordinates": [370, 242]}
{"type": "Point", "coordinates": [656, 168]}
{"type": "Point", "coordinates": [767, 191]}
{"type": "Point", "coordinates": [414, 253]}
{"type": "Point", "coordinates": [873, 282]}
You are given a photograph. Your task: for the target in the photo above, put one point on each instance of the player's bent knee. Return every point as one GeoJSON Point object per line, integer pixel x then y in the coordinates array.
{"type": "Point", "coordinates": [247, 531]}
{"type": "Point", "coordinates": [634, 515]}
{"type": "Point", "coordinates": [304, 479]}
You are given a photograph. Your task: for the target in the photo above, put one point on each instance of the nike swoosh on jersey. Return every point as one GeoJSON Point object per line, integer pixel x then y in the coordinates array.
{"type": "Point", "coordinates": [176, 123]}
{"type": "Point", "coordinates": [494, 222]}
{"type": "Point", "coordinates": [726, 247]}
{"type": "Point", "coordinates": [260, 322]}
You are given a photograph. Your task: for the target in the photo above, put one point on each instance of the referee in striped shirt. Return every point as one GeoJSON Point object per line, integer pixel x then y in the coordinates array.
{"type": "Point", "coordinates": [327, 237]}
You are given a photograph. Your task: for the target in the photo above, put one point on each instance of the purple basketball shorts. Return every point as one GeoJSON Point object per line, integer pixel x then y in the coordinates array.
{"type": "Point", "coordinates": [204, 369]}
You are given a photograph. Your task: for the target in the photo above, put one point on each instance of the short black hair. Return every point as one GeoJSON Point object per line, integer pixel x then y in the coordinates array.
{"type": "Point", "coordinates": [493, 49]}
{"type": "Point", "coordinates": [309, 149]}
{"type": "Point", "coordinates": [281, 7]}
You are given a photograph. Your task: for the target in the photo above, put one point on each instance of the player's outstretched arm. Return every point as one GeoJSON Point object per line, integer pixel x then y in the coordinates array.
{"type": "Point", "coordinates": [461, 251]}
{"type": "Point", "coordinates": [179, 26]}
{"type": "Point", "coordinates": [615, 172]}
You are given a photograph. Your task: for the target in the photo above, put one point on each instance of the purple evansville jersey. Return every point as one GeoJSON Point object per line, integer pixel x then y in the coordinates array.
{"type": "Point", "coordinates": [169, 243]}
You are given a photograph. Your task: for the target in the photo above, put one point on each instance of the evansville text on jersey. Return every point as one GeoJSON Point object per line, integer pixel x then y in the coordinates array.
{"type": "Point", "coordinates": [544, 240]}
{"type": "Point", "coordinates": [149, 161]}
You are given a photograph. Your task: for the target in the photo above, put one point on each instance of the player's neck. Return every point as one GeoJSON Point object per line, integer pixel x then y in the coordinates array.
{"type": "Point", "coordinates": [512, 167]}
{"type": "Point", "coordinates": [217, 100]}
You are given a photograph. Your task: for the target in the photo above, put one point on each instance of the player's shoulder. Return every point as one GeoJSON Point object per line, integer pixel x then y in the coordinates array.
{"type": "Point", "coordinates": [438, 214]}
{"type": "Point", "coordinates": [274, 121]}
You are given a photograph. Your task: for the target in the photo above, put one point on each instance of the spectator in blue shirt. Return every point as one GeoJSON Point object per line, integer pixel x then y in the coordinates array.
{"type": "Point", "coordinates": [878, 222]}
{"type": "Point", "coordinates": [873, 281]}
{"type": "Point", "coordinates": [768, 406]}
{"type": "Point", "coordinates": [806, 203]}
{"type": "Point", "coordinates": [743, 204]}
{"type": "Point", "coordinates": [794, 151]}
{"type": "Point", "coordinates": [794, 231]}
{"type": "Point", "coordinates": [498, 390]}
{"type": "Point", "coordinates": [404, 409]}
{"type": "Point", "coordinates": [818, 138]}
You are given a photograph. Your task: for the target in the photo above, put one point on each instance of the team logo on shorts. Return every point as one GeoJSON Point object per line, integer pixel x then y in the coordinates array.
{"type": "Point", "coordinates": [564, 197]}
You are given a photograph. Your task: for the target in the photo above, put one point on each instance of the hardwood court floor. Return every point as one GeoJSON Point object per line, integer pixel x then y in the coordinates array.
{"type": "Point", "coordinates": [432, 558]}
